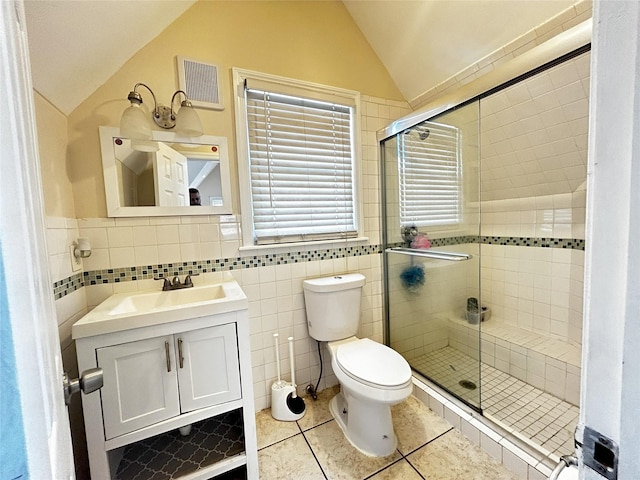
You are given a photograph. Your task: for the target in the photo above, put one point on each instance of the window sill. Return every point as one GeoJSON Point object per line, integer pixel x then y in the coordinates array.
{"type": "Point", "coordinates": [300, 246]}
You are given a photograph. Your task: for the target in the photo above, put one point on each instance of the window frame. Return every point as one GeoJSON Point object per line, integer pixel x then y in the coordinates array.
{"type": "Point", "coordinates": [296, 88]}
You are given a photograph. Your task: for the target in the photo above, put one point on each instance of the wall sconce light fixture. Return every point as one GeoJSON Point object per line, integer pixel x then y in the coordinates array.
{"type": "Point", "coordinates": [135, 125]}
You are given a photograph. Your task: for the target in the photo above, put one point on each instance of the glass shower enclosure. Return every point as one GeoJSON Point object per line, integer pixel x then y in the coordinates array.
{"type": "Point", "coordinates": [483, 208]}
{"type": "Point", "coordinates": [431, 226]}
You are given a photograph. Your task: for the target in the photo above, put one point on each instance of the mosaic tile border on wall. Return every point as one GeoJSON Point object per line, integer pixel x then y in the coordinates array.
{"type": "Point", "coordinates": [70, 284]}
{"type": "Point", "coordinates": [115, 275]}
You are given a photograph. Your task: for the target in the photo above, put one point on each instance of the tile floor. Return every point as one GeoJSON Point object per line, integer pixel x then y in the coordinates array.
{"type": "Point", "coordinates": [315, 448]}
{"type": "Point", "coordinates": [536, 415]}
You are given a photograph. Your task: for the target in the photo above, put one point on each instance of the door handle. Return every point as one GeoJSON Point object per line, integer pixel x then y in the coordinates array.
{"type": "Point", "coordinates": [180, 357]}
{"type": "Point", "coordinates": [90, 380]}
{"type": "Point", "coordinates": [168, 355]}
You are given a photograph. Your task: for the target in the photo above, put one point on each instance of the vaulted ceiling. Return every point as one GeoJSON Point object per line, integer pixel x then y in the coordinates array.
{"type": "Point", "coordinates": [77, 45]}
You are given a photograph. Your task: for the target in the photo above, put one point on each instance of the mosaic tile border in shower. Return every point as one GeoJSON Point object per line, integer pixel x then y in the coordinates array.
{"type": "Point", "coordinates": [544, 242]}
{"type": "Point", "coordinates": [70, 284]}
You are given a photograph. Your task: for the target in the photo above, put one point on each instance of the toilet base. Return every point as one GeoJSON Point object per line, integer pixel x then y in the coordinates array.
{"type": "Point", "coordinates": [367, 425]}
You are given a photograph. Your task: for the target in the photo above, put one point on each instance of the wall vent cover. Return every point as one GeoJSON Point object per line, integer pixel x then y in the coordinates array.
{"type": "Point", "coordinates": [201, 81]}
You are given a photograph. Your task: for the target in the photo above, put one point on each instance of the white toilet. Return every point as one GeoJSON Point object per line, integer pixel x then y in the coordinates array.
{"type": "Point", "coordinates": [372, 376]}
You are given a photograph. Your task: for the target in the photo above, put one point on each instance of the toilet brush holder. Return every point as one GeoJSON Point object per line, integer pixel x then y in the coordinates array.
{"type": "Point", "coordinates": [281, 392]}
{"type": "Point", "coordinates": [285, 403]}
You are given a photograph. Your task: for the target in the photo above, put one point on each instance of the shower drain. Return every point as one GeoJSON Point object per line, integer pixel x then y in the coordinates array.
{"type": "Point", "coordinates": [468, 384]}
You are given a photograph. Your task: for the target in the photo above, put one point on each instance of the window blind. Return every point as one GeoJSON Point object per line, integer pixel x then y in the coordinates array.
{"type": "Point", "coordinates": [301, 168]}
{"type": "Point", "coordinates": [429, 175]}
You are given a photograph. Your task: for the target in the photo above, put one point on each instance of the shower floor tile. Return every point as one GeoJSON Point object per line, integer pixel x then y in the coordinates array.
{"type": "Point", "coordinates": [547, 421]}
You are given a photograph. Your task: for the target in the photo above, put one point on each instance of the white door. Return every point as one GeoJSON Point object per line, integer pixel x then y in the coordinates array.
{"type": "Point", "coordinates": [208, 367]}
{"type": "Point", "coordinates": [140, 385]}
{"type": "Point", "coordinates": [31, 311]}
{"type": "Point", "coordinates": [171, 178]}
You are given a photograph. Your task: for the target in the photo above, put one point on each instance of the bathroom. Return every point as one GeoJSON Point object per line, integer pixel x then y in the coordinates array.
{"type": "Point", "coordinates": [75, 203]}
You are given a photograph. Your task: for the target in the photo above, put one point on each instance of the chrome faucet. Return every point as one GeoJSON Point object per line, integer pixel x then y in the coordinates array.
{"type": "Point", "coordinates": [175, 283]}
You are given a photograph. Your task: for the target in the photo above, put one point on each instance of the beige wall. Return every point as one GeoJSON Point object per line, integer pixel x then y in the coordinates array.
{"type": "Point", "coordinates": [52, 143]}
{"type": "Point", "coordinates": [313, 41]}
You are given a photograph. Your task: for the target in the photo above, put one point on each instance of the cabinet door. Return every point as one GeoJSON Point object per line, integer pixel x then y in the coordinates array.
{"type": "Point", "coordinates": [208, 373]}
{"type": "Point", "coordinates": [140, 384]}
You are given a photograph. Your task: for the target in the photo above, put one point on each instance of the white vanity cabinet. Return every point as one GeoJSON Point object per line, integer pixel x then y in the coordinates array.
{"type": "Point", "coordinates": [165, 370]}
{"type": "Point", "coordinates": [150, 380]}
{"type": "Point", "coordinates": [207, 367]}
{"type": "Point", "coordinates": [138, 391]}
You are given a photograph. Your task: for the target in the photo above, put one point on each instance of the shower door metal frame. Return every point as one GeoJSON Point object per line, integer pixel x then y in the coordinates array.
{"type": "Point", "coordinates": [385, 264]}
{"type": "Point", "coordinates": [388, 249]}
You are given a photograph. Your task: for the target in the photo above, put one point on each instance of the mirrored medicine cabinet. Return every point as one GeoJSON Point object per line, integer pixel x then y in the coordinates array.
{"type": "Point", "coordinates": [186, 176]}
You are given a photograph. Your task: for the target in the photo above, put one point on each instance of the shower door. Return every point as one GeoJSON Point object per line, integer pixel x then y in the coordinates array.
{"type": "Point", "coordinates": [432, 255]}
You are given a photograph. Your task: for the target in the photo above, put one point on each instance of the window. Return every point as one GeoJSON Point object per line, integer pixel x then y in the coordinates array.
{"type": "Point", "coordinates": [429, 175]}
{"type": "Point", "coordinates": [300, 162]}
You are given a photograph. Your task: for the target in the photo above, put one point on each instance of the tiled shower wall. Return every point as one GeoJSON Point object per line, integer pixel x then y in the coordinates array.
{"type": "Point", "coordinates": [536, 289]}
{"type": "Point", "coordinates": [274, 290]}
{"type": "Point", "coordinates": [535, 294]}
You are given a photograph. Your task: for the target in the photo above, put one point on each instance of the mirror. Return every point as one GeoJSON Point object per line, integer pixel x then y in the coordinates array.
{"type": "Point", "coordinates": [186, 176]}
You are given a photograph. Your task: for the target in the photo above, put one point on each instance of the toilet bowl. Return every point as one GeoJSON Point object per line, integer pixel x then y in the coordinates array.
{"type": "Point", "coordinates": [373, 377]}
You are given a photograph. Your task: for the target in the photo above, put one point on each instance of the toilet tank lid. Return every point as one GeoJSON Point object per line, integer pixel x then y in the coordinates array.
{"type": "Point", "coordinates": [335, 283]}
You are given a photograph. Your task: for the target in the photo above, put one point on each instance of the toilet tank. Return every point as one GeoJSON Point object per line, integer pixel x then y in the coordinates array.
{"type": "Point", "coordinates": [333, 306]}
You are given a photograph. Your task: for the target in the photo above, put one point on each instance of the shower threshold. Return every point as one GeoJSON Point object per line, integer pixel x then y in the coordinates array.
{"type": "Point", "coordinates": [545, 420]}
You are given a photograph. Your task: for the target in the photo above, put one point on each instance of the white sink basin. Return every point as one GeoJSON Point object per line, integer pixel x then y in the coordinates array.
{"type": "Point", "coordinates": [175, 298]}
{"type": "Point", "coordinates": [125, 311]}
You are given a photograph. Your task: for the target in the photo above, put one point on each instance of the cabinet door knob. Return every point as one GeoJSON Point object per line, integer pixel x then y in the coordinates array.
{"type": "Point", "coordinates": [166, 353]}
{"type": "Point", "coordinates": [180, 357]}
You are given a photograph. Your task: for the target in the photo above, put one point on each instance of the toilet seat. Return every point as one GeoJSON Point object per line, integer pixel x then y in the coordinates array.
{"type": "Point", "coordinates": [382, 367]}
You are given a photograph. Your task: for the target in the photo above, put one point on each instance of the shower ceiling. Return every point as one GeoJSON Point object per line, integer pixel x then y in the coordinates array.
{"type": "Point", "coordinates": [534, 134]}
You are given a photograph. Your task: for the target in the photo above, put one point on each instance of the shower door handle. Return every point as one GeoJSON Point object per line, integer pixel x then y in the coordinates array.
{"type": "Point", "coordinates": [416, 252]}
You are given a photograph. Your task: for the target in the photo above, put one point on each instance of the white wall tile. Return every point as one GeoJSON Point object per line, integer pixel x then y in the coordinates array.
{"type": "Point", "coordinates": [167, 234]}
{"type": "Point", "coordinates": [121, 257]}
{"type": "Point", "coordinates": [144, 236]}
{"type": "Point", "coordinates": [146, 255]}
{"type": "Point", "coordinates": [120, 237]}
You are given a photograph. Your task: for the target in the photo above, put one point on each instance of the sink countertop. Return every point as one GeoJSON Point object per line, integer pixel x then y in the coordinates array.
{"type": "Point", "coordinates": [127, 311]}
